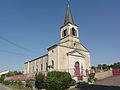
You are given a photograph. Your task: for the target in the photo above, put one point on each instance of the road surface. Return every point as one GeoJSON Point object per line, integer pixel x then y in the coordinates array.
{"type": "Point", "coordinates": [4, 88]}
{"type": "Point", "coordinates": [111, 83]}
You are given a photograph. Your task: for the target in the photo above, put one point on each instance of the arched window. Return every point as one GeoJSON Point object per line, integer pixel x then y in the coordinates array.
{"type": "Point", "coordinates": [52, 64]}
{"type": "Point", "coordinates": [46, 66]}
{"type": "Point", "coordinates": [73, 32]}
{"type": "Point", "coordinates": [36, 68]}
{"type": "Point", "coordinates": [64, 33]}
{"type": "Point", "coordinates": [33, 69]}
{"type": "Point", "coordinates": [41, 66]}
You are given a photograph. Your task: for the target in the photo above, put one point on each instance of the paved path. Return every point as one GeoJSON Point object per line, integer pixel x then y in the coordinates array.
{"type": "Point", "coordinates": [4, 88]}
{"type": "Point", "coordinates": [111, 83]}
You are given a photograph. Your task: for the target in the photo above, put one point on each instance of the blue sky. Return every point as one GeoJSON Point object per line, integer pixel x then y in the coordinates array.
{"type": "Point", "coordinates": [29, 27]}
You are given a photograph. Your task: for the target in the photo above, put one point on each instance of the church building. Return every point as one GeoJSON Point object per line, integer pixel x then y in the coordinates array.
{"type": "Point", "coordinates": [69, 55]}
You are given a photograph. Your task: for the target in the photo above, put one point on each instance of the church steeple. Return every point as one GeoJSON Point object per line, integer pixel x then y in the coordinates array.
{"type": "Point", "coordinates": [68, 17]}
{"type": "Point", "coordinates": [69, 31]}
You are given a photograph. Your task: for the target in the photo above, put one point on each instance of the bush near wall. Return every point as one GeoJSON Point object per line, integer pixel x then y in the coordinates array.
{"type": "Point", "coordinates": [14, 83]}
{"type": "Point", "coordinates": [58, 80]}
{"type": "Point", "coordinates": [92, 78]}
{"type": "Point", "coordinates": [39, 80]}
{"type": "Point", "coordinates": [2, 77]}
{"type": "Point", "coordinates": [29, 84]}
{"type": "Point", "coordinates": [6, 82]}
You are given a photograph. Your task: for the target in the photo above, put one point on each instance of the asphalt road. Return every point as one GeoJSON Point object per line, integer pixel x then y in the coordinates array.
{"type": "Point", "coordinates": [4, 88]}
{"type": "Point", "coordinates": [111, 83]}
{"type": "Point", "coordinates": [99, 87]}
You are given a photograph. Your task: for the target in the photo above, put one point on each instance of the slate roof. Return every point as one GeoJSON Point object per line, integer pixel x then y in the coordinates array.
{"type": "Point", "coordinates": [68, 17]}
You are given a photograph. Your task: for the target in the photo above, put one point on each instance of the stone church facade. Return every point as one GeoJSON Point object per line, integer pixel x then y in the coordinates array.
{"type": "Point", "coordinates": [68, 55]}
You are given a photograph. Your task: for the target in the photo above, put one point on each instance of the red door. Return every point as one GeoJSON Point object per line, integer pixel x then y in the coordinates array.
{"type": "Point", "coordinates": [77, 70]}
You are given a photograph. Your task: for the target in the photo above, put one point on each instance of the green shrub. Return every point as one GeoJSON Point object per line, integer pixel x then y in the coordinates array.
{"type": "Point", "coordinates": [6, 82]}
{"type": "Point", "coordinates": [91, 75]}
{"type": "Point", "coordinates": [20, 84]}
{"type": "Point", "coordinates": [92, 78]}
{"type": "Point", "coordinates": [58, 80]}
{"type": "Point", "coordinates": [2, 78]}
{"type": "Point", "coordinates": [12, 82]}
{"type": "Point", "coordinates": [29, 84]}
{"type": "Point", "coordinates": [15, 82]}
{"type": "Point", "coordinates": [73, 82]}
{"type": "Point", "coordinates": [53, 84]}
{"type": "Point", "coordinates": [39, 81]}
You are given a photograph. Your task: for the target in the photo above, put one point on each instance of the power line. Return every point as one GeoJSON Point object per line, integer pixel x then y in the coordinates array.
{"type": "Point", "coordinates": [15, 53]}
{"type": "Point", "coordinates": [14, 44]}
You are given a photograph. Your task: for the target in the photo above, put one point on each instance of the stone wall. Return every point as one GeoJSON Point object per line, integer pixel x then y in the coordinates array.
{"type": "Point", "coordinates": [103, 74]}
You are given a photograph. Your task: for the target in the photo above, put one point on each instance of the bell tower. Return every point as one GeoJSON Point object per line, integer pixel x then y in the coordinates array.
{"type": "Point", "coordinates": [69, 31]}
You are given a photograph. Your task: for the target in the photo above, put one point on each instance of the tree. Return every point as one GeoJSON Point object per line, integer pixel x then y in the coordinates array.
{"type": "Point", "coordinates": [103, 67]}
{"type": "Point", "coordinates": [12, 73]}
{"type": "Point", "coordinates": [2, 77]}
{"type": "Point", "coordinates": [106, 67]}
{"type": "Point", "coordinates": [99, 66]}
{"type": "Point", "coordinates": [39, 80]}
{"type": "Point", "coordinates": [116, 65]}
{"type": "Point", "coordinates": [94, 68]}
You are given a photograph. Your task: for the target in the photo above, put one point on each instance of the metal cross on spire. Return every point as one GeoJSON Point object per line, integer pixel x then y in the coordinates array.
{"type": "Point", "coordinates": [68, 3]}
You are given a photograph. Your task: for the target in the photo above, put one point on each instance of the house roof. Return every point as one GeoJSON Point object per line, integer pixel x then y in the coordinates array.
{"type": "Point", "coordinates": [53, 46]}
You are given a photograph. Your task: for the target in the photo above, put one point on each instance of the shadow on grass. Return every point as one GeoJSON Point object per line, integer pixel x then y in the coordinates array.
{"type": "Point", "coordinates": [100, 87]}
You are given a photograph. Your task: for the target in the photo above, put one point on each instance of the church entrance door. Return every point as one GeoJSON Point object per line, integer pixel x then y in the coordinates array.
{"type": "Point", "coordinates": [77, 70]}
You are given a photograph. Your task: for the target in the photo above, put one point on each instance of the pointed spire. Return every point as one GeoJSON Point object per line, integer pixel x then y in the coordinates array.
{"type": "Point", "coordinates": [68, 17]}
